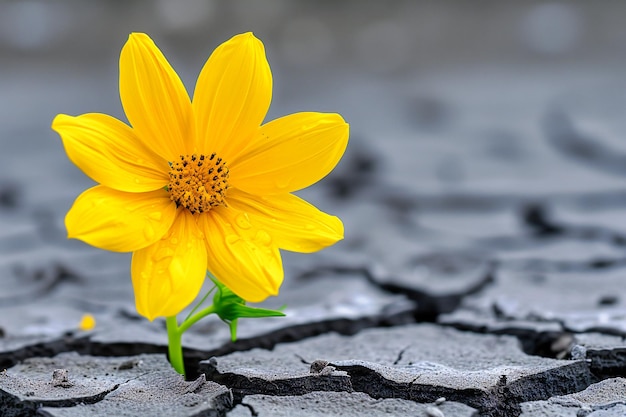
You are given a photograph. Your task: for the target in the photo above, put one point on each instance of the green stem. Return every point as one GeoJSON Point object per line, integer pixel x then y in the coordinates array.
{"type": "Point", "coordinates": [193, 319]}
{"type": "Point", "coordinates": [197, 306]}
{"type": "Point", "coordinates": [175, 346]}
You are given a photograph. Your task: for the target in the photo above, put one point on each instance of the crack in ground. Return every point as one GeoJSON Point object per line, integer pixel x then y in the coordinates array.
{"type": "Point", "coordinates": [504, 402]}
{"type": "Point", "coordinates": [572, 142]}
{"type": "Point", "coordinates": [602, 363]}
{"type": "Point", "coordinates": [242, 386]}
{"type": "Point", "coordinates": [400, 354]}
{"type": "Point", "coordinates": [84, 346]}
{"type": "Point", "coordinates": [268, 341]}
{"type": "Point", "coordinates": [47, 278]}
{"type": "Point", "coordinates": [501, 401]}
{"type": "Point", "coordinates": [537, 217]}
{"type": "Point", "coordinates": [428, 309]}
{"type": "Point", "coordinates": [376, 386]}
{"type": "Point", "coordinates": [253, 412]}
{"type": "Point", "coordinates": [606, 363]}
{"type": "Point", "coordinates": [606, 407]}
{"type": "Point", "coordinates": [47, 349]}
{"type": "Point", "coordinates": [428, 306]}
{"type": "Point", "coordinates": [23, 404]}
{"type": "Point", "coordinates": [405, 201]}
{"type": "Point", "coordinates": [547, 344]}
{"type": "Point", "coordinates": [12, 406]}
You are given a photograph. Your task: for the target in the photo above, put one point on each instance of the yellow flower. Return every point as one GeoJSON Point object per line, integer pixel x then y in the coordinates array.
{"type": "Point", "coordinates": [202, 184]}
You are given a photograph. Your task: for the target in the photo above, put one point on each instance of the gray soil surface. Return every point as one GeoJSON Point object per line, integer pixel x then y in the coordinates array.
{"type": "Point", "coordinates": [483, 195]}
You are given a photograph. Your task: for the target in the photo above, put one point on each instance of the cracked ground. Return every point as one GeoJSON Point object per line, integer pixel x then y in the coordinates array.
{"type": "Point", "coordinates": [483, 195]}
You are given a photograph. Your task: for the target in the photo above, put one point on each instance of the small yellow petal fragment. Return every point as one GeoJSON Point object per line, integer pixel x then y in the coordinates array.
{"type": "Point", "coordinates": [88, 322]}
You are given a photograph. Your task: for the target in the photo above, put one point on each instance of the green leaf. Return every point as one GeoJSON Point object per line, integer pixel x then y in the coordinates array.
{"type": "Point", "coordinates": [230, 307]}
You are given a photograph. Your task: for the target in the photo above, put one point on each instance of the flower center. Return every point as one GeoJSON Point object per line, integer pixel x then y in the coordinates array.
{"type": "Point", "coordinates": [198, 182]}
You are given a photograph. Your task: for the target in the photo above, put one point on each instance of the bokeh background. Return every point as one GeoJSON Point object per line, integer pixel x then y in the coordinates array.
{"type": "Point", "coordinates": [461, 112]}
{"type": "Point", "coordinates": [427, 86]}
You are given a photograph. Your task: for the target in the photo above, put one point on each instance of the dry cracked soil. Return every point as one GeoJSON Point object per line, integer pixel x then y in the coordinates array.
{"type": "Point", "coordinates": [483, 194]}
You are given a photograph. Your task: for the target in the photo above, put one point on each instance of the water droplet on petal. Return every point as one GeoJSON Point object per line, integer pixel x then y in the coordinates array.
{"type": "Point", "coordinates": [263, 238]}
{"type": "Point", "coordinates": [163, 254]}
{"type": "Point", "coordinates": [149, 232]}
{"type": "Point", "coordinates": [232, 239]}
{"type": "Point", "coordinates": [156, 215]}
{"type": "Point", "coordinates": [174, 241]}
{"type": "Point", "coordinates": [309, 226]}
{"type": "Point", "coordinates": [243, 221]}
{"type": "Point", "coordinates": [176, 268]}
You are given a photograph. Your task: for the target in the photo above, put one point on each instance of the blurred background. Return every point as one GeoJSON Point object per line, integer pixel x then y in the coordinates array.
{"type": "Point", "coordinates": [457, 108]}
{"type": "Point", "coordinates": [461, 87]}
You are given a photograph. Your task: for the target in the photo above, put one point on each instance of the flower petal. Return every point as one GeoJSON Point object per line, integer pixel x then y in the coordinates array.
{"type": "Point", "coordinates": [294, 224]}
{"type": "Point", "coordinates": [242, 257]}
{"type": "Point", "coordinates": [120, 221]}
{"type": "Point", "coordinates": [296, 151]}
{"type": "Point", "coordinates": [232, 96]}
{"type": "Point", "coordinates": [154, 98]}
{"type": "Point", "coordinates": [168, 275]}
{"type": "Point", "coordinates": [108, 151]}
